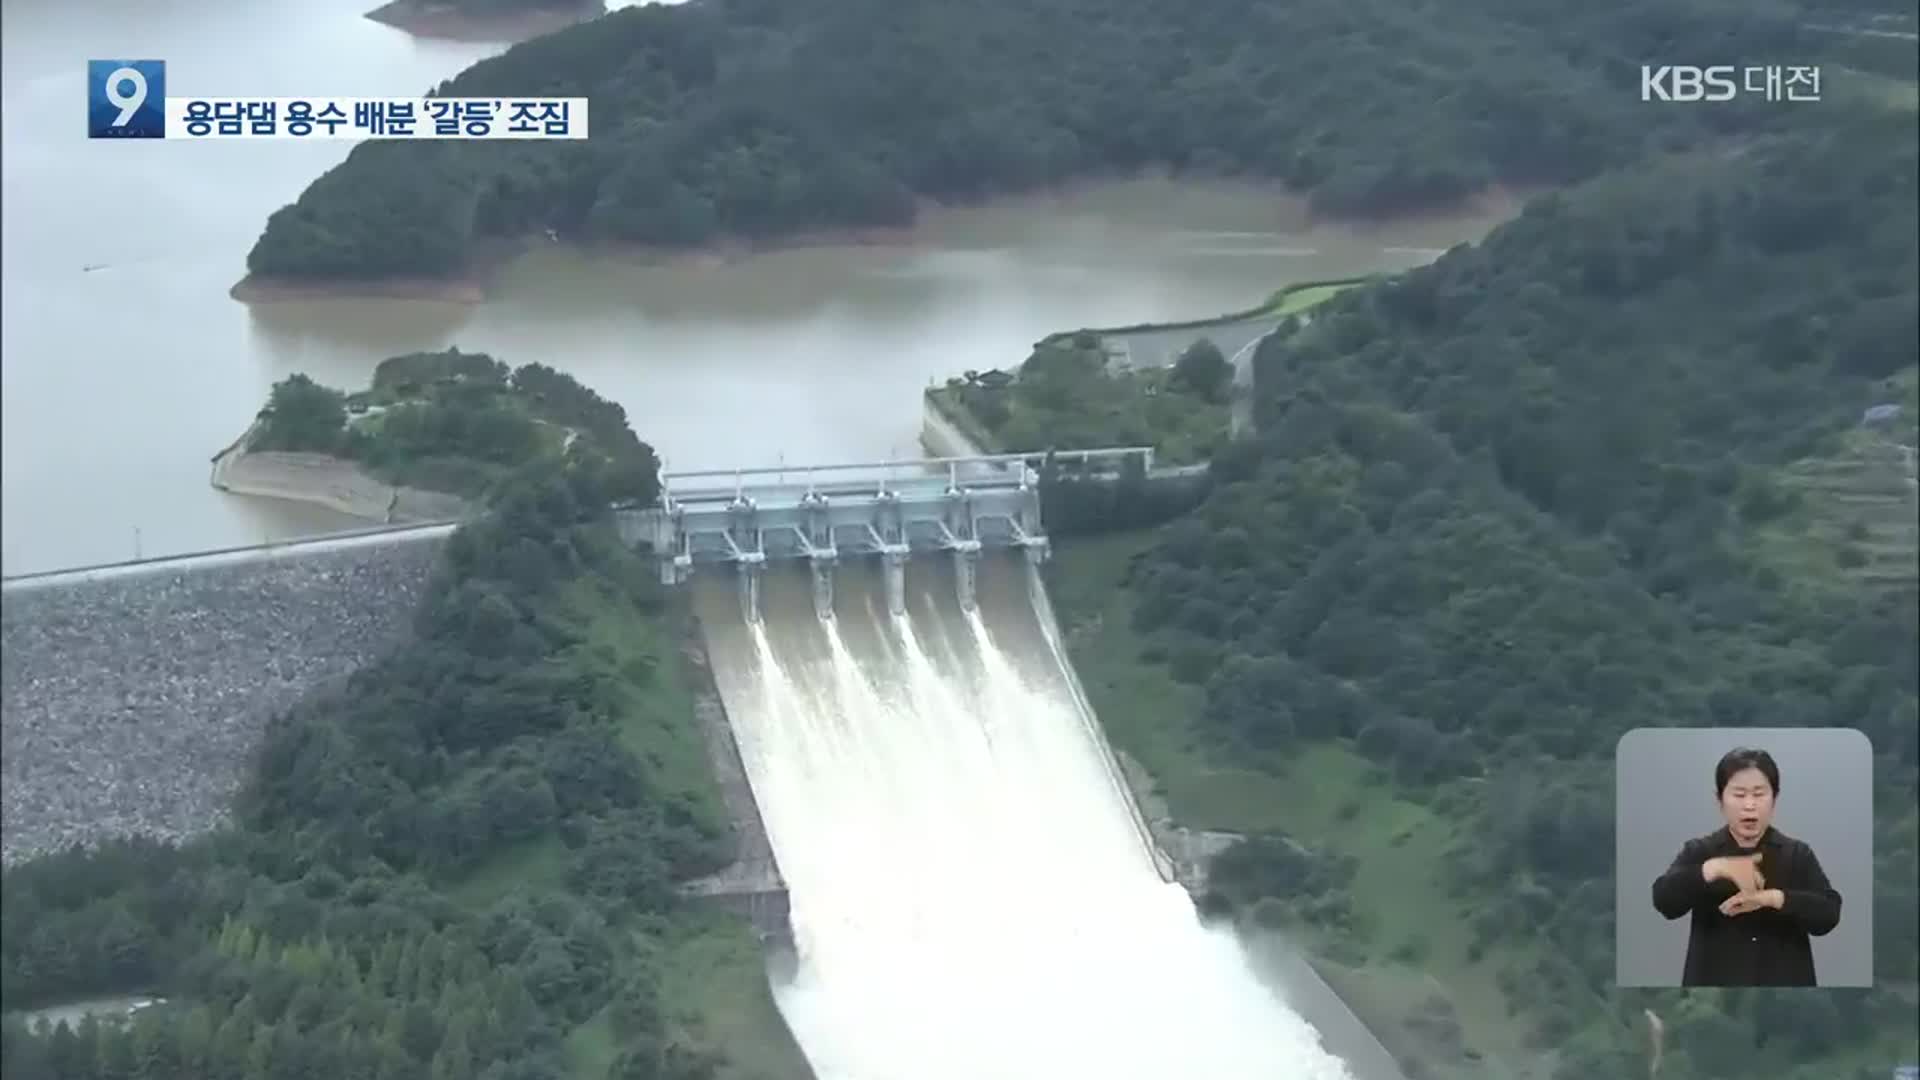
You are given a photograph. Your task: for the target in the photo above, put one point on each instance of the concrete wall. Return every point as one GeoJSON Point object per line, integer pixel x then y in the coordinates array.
{"type": "Point", "coordinates": [941, 437]}
{"type": "Point", "coordinates": [767, 910]}
{"type": "Point", "coordinates": [1149, 840]}
{"type": "Point", "coordinates": [752, 887]}
{"type": "Point", "coordinates": [328, 481]}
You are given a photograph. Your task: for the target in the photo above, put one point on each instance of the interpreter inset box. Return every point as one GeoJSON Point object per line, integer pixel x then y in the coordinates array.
{"type": "Point", "coordinates": [1743, 857]}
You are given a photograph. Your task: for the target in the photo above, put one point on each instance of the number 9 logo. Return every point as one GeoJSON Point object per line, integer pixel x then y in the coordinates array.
{"type": "Point", "coordinates": [128, 104]}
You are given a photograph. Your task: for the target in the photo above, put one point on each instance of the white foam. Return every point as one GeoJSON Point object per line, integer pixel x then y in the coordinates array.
{"type": "Point", "coordinates": [970, 898]}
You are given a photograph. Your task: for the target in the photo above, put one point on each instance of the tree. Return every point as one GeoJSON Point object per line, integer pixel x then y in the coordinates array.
{"type": "Point", "coordinates": [635, 1008]}
{"type": "Point", "coordinates": [301, 415]}
{"type": "Point", "coordinates": [65, 1054]}
{"type": "Point", "coordinates": [262, 1052]}
{"type": "Point", "coordinates": [155, 1043]}
{"type": "Point", "coordinates": [24, 1055]}
{"type": "Point", "coordinates": [454, 1059]}
{"type": "Point", "coordinates": [115, 1059]}
{"type": "Point", "coordinates": [1204, 371]}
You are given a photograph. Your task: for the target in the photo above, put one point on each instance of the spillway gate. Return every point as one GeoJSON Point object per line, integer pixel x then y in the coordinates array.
{"type": "Point", "coordinates": [887, 510]}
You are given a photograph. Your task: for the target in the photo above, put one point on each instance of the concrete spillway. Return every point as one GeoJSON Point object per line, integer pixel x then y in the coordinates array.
{"type": "Point", "coordinates": [970, 896]}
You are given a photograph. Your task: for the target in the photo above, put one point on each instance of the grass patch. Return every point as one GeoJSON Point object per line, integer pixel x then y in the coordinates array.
{"type": "Point", "coordinates": [1292, 301]}
{"type": "Point", "coordinates": [592, 1046]}
{"type": "Point", "coordinates": [541, 862]}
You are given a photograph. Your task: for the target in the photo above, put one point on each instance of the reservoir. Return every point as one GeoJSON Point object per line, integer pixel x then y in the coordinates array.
{"type": "Point", "coordinates": [127, 365]}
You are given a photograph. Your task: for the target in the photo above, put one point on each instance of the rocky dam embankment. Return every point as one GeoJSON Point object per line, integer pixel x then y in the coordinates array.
{"type": "Point", "coordinates": [133, 698]}
{"type": "Point", "coordinates": [133, 703]}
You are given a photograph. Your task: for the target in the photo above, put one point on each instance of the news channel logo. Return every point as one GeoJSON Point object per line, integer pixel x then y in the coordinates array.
{"type": "Point", "coordinates": [1724, 82]}
{"type": "Point", "coordinates": [126, 99]}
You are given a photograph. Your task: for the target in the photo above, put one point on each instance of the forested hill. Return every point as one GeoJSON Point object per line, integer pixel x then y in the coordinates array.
{"type": "Point", "coordinates": [1607, 470]}
{"type": "Point", "coordinates": [458, 864]}
{"type": "Point", "coordinates": [752, 118]}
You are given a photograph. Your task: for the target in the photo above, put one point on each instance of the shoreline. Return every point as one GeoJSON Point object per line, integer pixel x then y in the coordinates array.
{"type": "Point", "coordinates": [338, 484]}
{"type": "Point", "coordinates": [472, 286]}
{"type": "Point", "coordinates": [254, 289]}
{"type": "Point", "coordinates": [447, 23]}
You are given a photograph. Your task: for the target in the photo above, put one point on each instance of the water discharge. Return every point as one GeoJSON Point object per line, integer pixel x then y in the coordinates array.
{"type": "Point", "coordinates": [971, 897]}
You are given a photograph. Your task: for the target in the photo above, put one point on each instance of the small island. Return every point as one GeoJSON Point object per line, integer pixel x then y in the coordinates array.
{"type": "Point", "coordinates": [485, 20]}
{"type": "Point", "coordinates": [430, 439]}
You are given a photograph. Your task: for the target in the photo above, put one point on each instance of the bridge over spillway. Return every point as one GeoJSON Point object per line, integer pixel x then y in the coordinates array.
{"type": "Point", "coordinates": [887, 511]}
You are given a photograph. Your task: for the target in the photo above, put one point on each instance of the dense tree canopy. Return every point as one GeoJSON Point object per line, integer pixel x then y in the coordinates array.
{"type": "Point", "coordinates": [1504, 508]}
{"type": "Point", "coordinates": [302, 415]}
{"type": "Point", "coordinates": [751, 118]}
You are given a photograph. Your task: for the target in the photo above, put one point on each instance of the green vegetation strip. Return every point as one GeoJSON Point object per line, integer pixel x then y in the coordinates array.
{"type": "Point", "coordinates": [1290, 300]}
{"type": "Point", "coordinates": [1066, 396]}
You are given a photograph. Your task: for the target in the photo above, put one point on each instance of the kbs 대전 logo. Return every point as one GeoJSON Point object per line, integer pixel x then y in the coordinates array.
{"type": "Point", "coordinates": [1724, 82]}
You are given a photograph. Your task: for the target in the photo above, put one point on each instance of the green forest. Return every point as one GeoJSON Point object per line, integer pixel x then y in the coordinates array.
{"type": "Point", "coordinates": [1607, 469]}
{"type": "Point", "coordinates": [747, 119]}
{"type": "Point", "coordinates": [461, 423]}
{"type": "Point", "coordinates": [460, 864]}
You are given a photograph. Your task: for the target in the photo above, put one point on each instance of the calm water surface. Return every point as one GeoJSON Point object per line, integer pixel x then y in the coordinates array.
{"type": "Point", "coordinates": [127, 365]}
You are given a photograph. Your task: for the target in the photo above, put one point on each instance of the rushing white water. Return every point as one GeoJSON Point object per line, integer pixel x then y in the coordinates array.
{"type": "Point", "coordinates": [970, 897]}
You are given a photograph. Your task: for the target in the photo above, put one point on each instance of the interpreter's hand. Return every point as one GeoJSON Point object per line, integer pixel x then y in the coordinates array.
{"type": "Point", "coordinates": [1742, 870]}
{"type": "Point", "coordinates": [1742, 903]}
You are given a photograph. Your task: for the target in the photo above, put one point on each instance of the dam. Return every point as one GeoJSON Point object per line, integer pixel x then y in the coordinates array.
{"type": "Point", "coordinates": [1020, 920]}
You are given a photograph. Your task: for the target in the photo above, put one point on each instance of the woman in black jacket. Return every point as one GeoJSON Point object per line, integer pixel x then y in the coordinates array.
{"type": "Point", "coordinates": [1756, 894]}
